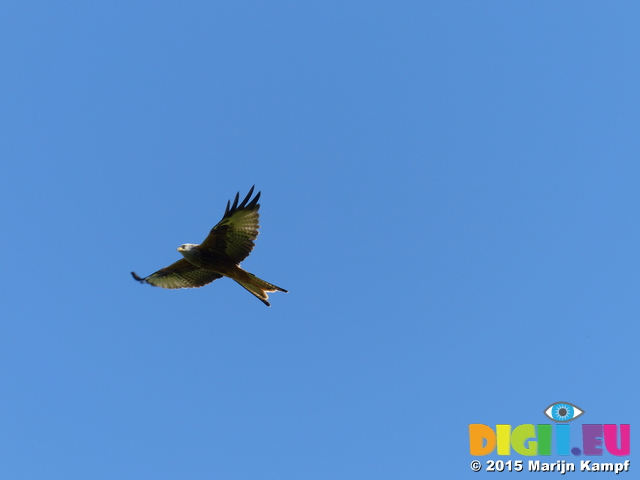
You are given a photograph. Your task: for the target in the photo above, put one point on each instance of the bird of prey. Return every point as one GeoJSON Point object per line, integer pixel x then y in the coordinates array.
{"type": "Point", "coordinates": [220, 254]}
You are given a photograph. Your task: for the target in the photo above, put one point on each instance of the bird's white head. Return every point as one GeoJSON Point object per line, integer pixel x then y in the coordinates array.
{"type": "Point", "coordinates": [186, 247]}
{"type": "Point", "coordinates": [191, 253]}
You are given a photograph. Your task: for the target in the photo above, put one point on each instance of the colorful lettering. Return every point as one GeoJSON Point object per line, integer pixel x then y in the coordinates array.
{"type": "Point", "coordinates": [544, 439]}
{"type": "Point", "coordinates": [592, 439]}
{"type": "Point", "coordinates": [611, 439]}
{"type": "Point", "coordinates": [562, 439]}
{"type": "Point", "coordinates": [478, 435]}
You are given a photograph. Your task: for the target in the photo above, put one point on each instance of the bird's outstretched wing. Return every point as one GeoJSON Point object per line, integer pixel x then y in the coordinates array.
{"type": "Point", "coordinates": [181, 274]}
{"type": "Point", "coordinates": [233, 236]}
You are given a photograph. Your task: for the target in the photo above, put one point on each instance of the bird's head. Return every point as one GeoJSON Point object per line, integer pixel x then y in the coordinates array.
{"type": "Point", "coordinates": [186, 247]}
{"type": "Point", "coordinates": [191, 253]}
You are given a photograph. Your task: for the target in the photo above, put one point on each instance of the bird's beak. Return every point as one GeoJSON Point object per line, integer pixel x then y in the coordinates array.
{"type": "Point", "coordinates": [180, 249]}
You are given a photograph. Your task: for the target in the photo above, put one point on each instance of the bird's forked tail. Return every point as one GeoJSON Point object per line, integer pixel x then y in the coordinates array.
{"type": "Point", "coordinates": [255, 285]}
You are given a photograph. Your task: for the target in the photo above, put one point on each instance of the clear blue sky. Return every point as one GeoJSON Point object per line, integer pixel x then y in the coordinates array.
{"type": "Point", "coordinates": [450, 192]}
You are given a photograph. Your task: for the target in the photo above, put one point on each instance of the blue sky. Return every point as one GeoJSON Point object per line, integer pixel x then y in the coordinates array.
{"type": "Point", "coordinates": [449, 193]}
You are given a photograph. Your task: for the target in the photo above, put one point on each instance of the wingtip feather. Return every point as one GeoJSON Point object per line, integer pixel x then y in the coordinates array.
{"type": "Point", "coordinates": [235, 201]}
{"type": "Point", "coordinates": [237, 205]}
{"type": "Point", "coordinates": [136, 277]}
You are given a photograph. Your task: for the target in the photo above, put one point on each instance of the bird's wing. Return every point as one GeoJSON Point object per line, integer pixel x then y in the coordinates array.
{"type": "Point", "coordinates": [181, 274]}
{"type": "Point", "coordinates": [232, 238]}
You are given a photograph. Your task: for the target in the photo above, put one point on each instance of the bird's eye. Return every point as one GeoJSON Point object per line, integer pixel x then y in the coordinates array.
{"type": "Point", "coordinates": [563, 412]}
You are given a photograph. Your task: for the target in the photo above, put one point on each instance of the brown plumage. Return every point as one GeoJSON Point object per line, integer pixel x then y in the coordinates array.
{"type": "Point", "coordinates": [220, 254]}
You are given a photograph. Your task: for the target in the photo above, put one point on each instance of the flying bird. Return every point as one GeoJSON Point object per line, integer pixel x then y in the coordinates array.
{"type": "Point", "coordinates": [220, 254]}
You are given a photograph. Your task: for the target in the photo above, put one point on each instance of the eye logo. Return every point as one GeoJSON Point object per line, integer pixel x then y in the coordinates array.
{"type": "Point", "coordinates": [563, 412]}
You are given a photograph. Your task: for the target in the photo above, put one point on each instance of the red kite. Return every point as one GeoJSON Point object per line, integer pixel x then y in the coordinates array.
{"type": "Point", "coordinates": [220, 254]}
